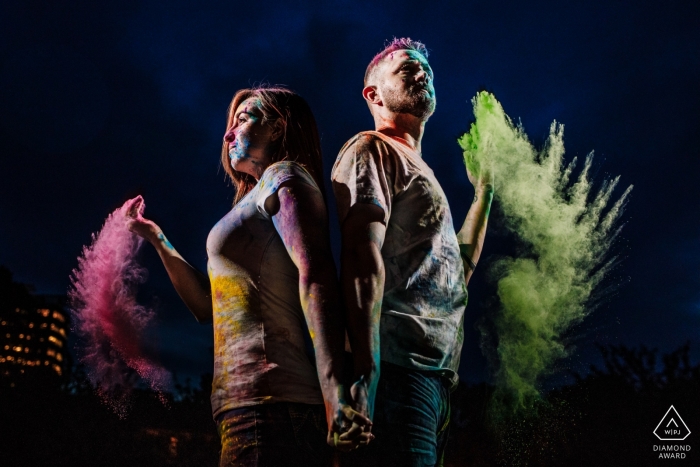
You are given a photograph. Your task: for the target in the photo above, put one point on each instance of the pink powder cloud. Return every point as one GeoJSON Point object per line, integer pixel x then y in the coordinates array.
{"type": "Point", "coordinates": [111, 324]}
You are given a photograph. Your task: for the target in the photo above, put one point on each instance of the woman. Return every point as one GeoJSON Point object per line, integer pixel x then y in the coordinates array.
{"type": "Point", "coordinates": [269, 268]}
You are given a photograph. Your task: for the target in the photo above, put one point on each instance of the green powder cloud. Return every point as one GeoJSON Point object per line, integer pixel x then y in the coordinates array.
{"type": "Point", "coordinates": [568, 232]}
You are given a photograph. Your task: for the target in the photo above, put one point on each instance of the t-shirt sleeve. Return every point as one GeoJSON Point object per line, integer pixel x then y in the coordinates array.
{"type": "Point", "coordinates": [277, 174]}
{"type": "Point", "coordinates": [361, 175]}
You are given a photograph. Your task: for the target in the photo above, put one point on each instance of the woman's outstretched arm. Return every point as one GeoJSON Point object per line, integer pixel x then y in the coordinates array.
{"type": "Point", "coordinates": [192, 286]}
{"type": "Point", "coordinates": [299, 214]}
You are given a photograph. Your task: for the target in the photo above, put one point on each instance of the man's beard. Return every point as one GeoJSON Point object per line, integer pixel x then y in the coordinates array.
{"type": "Point", "coordinates": [413, 102]}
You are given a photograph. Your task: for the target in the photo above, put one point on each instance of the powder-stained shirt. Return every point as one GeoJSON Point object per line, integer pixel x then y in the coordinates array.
{"type": "Point", "coordinates": [424, 291]}
{"type": "Point", "coordinates": [259, 350]}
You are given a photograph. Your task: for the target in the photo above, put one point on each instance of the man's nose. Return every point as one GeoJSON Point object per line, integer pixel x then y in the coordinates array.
{"type": "Point", "coordinates": [423, 76]}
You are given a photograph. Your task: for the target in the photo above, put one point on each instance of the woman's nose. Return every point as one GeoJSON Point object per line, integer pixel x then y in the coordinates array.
{"type": "Point", "coordinates": [229, 136]}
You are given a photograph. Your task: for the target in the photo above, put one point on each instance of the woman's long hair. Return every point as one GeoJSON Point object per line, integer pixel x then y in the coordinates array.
{"type": "Point", "coordinates": [299, 141]}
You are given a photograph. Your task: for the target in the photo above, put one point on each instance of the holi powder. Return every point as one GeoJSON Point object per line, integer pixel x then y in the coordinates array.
{"type": "Point", "coordinates": [567, 230]}
{"type": "Point", "coordinates": [110, 323]}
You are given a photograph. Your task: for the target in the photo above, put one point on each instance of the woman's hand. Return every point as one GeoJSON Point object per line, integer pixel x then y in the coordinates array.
{"type": "Point", "coordinates": [145, 228]}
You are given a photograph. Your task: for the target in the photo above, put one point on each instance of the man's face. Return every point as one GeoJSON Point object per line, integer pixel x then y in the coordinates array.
{"type": "Point", "coordinates": [405, 84]}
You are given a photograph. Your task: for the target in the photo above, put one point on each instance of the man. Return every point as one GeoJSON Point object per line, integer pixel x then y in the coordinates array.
{"type": "Point", "coordinates": [404, 270]}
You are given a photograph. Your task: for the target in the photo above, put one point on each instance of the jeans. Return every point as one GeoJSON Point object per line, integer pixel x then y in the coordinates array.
{"type": "Point", "coordinates": [411, 420]}
{"type": "Point", "coordinates": [270, 435]}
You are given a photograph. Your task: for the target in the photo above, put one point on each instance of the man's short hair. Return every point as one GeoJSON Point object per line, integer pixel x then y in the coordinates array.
{"type": "Point", "coordinates": [403, 43]}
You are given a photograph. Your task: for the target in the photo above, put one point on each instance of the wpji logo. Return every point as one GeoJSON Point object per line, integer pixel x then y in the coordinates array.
{"type": "Point", "coordinates": [672, 427]}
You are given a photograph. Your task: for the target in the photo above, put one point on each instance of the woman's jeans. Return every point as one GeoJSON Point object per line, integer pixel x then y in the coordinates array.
{"type": "Point", "coordinates": [270, 435]}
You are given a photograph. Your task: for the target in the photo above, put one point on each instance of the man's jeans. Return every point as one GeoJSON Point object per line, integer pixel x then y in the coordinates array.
{"type": "Point", "coordinates": [411, 420]}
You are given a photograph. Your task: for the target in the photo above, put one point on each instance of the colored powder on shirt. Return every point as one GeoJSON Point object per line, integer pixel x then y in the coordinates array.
{"type": "Point", "coordinates": [258, 323]}
{"type": "Point", "coordinates": [229, 294]}
{"type": "Point", "coordinates": [567, 229]}
{"type": "Point", "coordinates": [425, 296]}
{"type": "Point", "coordinates": [111, 324]}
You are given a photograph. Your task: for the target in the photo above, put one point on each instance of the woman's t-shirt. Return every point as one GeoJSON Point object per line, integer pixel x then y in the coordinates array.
{"type": "Point", "coordinates": [259, 326]}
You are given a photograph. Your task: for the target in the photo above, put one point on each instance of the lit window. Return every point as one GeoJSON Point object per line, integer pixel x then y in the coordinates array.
{"type": "Point", "coordinates": [7, 335]}
{"type": "Point", "coordinates": [10, 358]}
{"type": "Point", "coordinates": [58, 316]}
{"type": "Point", "coordinates": [31, 325]}
{"type": "Point", "coordinates": [4, 323]}
{"type": "Point", "coordinates": [46, 362]}
{"type": "Point", "coordinates": [57, 369]}
{"type": "Point", "coordinates": [7, 347]}
{"type": "Point", "coordinates": [44, 325]}
{"type": "Point", "coordinates": [55, 341]}
{"type": "Point", "coordinates": [59, 357]}
{"type": "Point", "coordinates": [17, 348]}
{"type": "Point", "coordinates": [21, 336]}
{"type": "Point", "coordinates": [26, 350]}
{"type": "Point", "coordinates": [173, 446]}
{"type": "Point", "coordinates": [51, 352]}
{"type": "Point", "coordinates": [44, 312]}
{"type": "Point", "coordinates": [29, 337]}
{"type": "Point", "coordinates": [55, 328]}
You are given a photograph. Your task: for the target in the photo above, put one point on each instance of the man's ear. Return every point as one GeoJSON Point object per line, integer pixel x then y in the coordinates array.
{"type": "Point", "coordinates": [277, 129]}
{"type": "Point", "coordinates": [371, 95]}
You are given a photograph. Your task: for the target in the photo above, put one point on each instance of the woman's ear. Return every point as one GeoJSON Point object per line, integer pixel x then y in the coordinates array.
{"type": "Point", "coordinates": [277, 129]}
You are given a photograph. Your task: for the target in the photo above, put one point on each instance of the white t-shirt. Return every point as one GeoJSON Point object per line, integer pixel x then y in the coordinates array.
{"type": "Point", "coordinates": [259, 351]}
{"type": "Point", "coordinates": [424, 291]}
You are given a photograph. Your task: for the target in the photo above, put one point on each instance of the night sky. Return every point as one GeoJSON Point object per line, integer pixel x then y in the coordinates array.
{"type": "Point", "coordinates": [100, 101]}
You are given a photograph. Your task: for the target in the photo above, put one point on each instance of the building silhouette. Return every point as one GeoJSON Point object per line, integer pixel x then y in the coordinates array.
{"type": "Point", "coordinates": [33, 335]}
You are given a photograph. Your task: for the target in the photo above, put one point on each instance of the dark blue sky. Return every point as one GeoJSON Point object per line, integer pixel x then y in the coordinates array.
{"type": "Point", "coordinates": [100, 101]}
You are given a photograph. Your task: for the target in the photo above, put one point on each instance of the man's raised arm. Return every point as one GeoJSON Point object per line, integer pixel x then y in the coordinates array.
{"type": "Point", "coordinates": [471, 235]}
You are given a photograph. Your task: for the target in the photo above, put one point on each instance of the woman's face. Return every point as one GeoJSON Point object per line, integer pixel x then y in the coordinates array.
{"type": "Point", "coordinates": [249, 139]}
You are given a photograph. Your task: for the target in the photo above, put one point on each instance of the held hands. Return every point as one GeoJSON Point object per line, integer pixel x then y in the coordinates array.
{"type": "Point", "coordinates": [350, 428]}
{"type": "Point", "coordinates": [141, 226]}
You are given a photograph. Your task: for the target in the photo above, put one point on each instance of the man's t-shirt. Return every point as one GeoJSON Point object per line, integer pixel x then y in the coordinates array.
{"type": "Point", "coordinates": [424, 292]}
{"type": "Point", "coordinates": [259, 350]}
